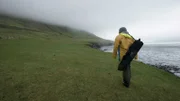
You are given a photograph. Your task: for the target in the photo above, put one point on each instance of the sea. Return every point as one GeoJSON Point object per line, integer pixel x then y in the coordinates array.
{"type": "Point", "coordinates": [165, 55]}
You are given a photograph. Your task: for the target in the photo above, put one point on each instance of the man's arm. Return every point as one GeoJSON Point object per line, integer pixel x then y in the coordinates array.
{"type": "Point", "coordinates": [116, 45]}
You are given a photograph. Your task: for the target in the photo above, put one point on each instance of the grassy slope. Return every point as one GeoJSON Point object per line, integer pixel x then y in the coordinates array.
{"type": "Point", "coordinates": [46, 66]}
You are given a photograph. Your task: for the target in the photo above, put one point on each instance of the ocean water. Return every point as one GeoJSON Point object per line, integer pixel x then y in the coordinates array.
{"type": "Point", "coordinates": [166, 55]}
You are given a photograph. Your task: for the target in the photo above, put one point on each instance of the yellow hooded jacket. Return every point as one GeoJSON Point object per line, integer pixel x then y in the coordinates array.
{"type": "Point", "coordinates": [123, 41]}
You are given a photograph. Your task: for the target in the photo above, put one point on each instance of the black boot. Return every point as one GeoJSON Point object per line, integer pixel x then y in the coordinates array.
{"type": "Point", "coordinates": [126, 84]}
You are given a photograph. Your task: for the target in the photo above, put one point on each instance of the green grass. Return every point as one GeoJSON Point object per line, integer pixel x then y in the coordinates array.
{"type": "Point", "coordinates": [46, 66]}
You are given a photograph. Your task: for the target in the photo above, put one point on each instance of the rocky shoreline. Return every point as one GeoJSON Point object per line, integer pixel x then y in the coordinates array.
{"type": "Point", "coordinates": [168, 68]}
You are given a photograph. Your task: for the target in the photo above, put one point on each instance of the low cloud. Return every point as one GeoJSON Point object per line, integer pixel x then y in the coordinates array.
{"type": "Point", "coordinates": [150, 20]}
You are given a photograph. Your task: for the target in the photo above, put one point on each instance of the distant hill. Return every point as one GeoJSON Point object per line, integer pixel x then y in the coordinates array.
{"type": "Point", "coordinates": [13, 28]}
{"type": "Point", "coordinates": [28, 25]}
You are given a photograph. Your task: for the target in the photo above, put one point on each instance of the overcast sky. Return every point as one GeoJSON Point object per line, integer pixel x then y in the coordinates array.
{"type": "Point", "coordinates": [150, 20]}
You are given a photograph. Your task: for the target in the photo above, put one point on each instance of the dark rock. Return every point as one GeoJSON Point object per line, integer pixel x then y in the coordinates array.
{"type": "Point", "coordinates": [98, 45]}
{"type": "Point", "coordinates": [105, 50]}
{"type": "Point", "coordinates": [94, 45]}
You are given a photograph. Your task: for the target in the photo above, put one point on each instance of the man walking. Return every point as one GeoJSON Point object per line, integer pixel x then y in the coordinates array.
{"type": "Point", "coordinates": [121, 45]}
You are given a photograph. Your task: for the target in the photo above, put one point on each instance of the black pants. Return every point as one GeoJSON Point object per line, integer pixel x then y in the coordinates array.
{"type": "Point", "coordinates": [126, 75]}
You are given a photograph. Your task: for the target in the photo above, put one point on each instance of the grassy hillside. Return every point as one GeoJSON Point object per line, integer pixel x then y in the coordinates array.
{"type": "Point", "coordinates": [40, 64]}
{"type": "Point", "coordinates": [14, 28]}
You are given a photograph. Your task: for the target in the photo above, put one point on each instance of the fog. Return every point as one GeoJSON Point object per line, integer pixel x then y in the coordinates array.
{"type": "Point", "coordinates": [150, 20]}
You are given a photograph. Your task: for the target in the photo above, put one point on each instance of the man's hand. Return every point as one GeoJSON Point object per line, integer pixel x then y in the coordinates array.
{"type": "Point", "coordinates": [135, 59]}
